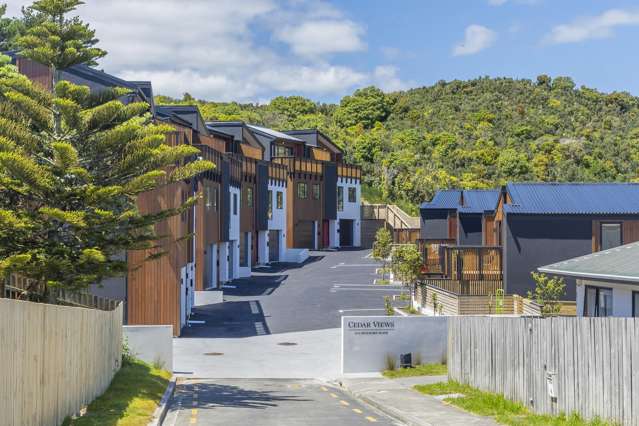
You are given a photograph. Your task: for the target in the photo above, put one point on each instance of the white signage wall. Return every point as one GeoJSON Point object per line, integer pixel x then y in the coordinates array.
{"type": "Point", "coordinates": [368, 341]}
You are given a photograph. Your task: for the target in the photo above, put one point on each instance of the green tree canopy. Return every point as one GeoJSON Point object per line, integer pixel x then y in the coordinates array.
{"type": "Point", "coordinates": [72, 164]}
{"type": "Point", "coordinates": [366, 106]}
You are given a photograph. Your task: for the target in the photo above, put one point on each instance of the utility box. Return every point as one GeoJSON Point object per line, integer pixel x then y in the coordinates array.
{"type": "Point", "coordinates": [406, 360]}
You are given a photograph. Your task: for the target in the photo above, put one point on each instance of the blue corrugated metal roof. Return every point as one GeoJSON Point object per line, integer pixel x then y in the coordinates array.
{"type": "Point", "coordinates": [444, 199]}
{"type": "Point", "coordinates": [479, 200]}
{"type": "Point", "coordinates": [573, 198]}
{"type": "Point", "coordinates": [474, 200]}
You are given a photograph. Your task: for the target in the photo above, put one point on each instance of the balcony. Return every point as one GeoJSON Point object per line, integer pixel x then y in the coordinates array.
{"type": "Point", "coordinates": [463, 270]}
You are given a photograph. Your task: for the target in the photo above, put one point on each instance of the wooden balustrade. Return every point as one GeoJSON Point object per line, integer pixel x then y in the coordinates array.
{"type": "Point", "coordinates": [277, 171]}
{"type": "Point", "coordinates": [300, 165]}
{"type": "Point", "coordinates": [466, 287]}
{"type": "Point", "coordinates": [349, 171]}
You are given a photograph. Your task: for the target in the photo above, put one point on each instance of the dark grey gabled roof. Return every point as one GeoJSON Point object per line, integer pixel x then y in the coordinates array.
{"type": "Point", "coordinates": [615, 264]}
{"type": "Point", "coordinates": [313, 137]}
{"type": "Point", "coordinates": [273, 134]}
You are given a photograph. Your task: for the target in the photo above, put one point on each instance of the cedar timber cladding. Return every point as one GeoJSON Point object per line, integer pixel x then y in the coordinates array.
{"type": "Point", "coordinates": [38, 73]}
{"type": "Point", "coordinates": [153, 287]}
{"type": "Point", "coordinates": [207, 210]}
{"type": "Point", "coordinates": [302, 212]}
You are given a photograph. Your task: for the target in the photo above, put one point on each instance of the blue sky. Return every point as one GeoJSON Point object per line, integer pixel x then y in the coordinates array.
{"type": "Point", "coordinates": [253, 50]}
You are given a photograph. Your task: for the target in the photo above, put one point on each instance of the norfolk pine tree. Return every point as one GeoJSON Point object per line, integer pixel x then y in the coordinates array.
{"type": "Point", "coordinates": [72, 164]}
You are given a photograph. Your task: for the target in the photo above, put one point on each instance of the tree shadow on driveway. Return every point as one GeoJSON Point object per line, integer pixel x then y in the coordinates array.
{"type": "Point", "coordinates": [213, 395]}
{"type": "Point", "coordinates": [229, 320]}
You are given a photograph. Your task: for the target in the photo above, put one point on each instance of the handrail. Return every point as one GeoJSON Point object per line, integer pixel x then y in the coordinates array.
{"type": "Point", "coordinates": [392, 214]}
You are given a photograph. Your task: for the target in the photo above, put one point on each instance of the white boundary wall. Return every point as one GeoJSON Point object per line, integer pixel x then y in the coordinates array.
{"type": "Point", "coordinates": [367, 341]}
{"type": "Point", "coordinates": [151, 343]}
{"type": "Point", "coordinates": [54, 360]}
{"type": "Point", "coordinates": [352, 210]}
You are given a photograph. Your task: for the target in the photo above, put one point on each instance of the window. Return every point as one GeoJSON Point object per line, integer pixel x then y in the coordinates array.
{"type": "Point", "coordinates": [302, 190]}
{"type": "Point", "coordinates": [340, 198]}
{"type": "Point", "coordinates": [316, 191]}
{"type": "Point", "coordinates": [635, 303]}
{"type": "Point", "coordinates": [597, 302]}
{"type": "Point", "coordinates": [280, 200]}
{"type": "Point", "coordinates": [249, 197]}
{"type": "Point", "coordinates": [270, 205]}
{"type": "Point", "coordinates": [282, 151]}
{"type": "Point", "coordinates": [234, 204]}
{"type": "Point", "coordinates": [610, 235]}
{"type": "Point", "coordinates": [352, 195]}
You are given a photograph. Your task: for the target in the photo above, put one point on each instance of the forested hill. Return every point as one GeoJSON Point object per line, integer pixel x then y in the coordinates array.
{"type": "Point", "coordinates": [472, 134]}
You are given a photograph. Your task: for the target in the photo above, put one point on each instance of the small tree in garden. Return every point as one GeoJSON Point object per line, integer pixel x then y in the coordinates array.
{"type": "Point", "coordinates": [382, 247]}
{"type": "Point", "coordinates": [548, 292]}
{"type": "Point", "coordinates": [73, 162]}
{"type": "Point", "coordinates": [407, 264]}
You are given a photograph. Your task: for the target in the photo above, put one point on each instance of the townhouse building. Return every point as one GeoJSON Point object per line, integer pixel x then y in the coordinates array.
{"type": "Point", "coordinates": [523, 227]}
{"type": "Point", "coordinates": [271, 197]}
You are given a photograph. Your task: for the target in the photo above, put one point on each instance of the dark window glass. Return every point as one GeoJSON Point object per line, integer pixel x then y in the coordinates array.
{"type": "Point", "coordinates": [316, 191]}
{"type": "Point", "coordinates": [340, 198]}
{"type": "Point", "coordinates": [282, 151]}
{"type": "Point", "coordinates": [610, 235]}
{"type": "Point", "coordinates": [352, 195]}
{"type": "Point", "coordinates": [635, 303]}
{"type": "Point", "coordinates": [280, 199]}
{"type": "Point", "coordinates": [270, 204]}
{"type": "Point", "coordinates": [234, 203]}
{"type": "Point", "coordinates": [302, 190]}
{"type": "Point", "coordinates": [598, 302]}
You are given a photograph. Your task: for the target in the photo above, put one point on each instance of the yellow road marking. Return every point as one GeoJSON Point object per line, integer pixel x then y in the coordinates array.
{"type": "Point", "coordinates": [333, 395]}
{"type": "Point", "coordinates": [371, 419]}
{"type": "Point", "coordinates": [344, 402]}
{"type": "Point", "coordinates": [193, 420]}
{"type": "Point", "coordinates": [357, 410]}
{"type": "Point", "coordinates": [194, 412]}
{"type": "Point", "coordinates": [324, 389]}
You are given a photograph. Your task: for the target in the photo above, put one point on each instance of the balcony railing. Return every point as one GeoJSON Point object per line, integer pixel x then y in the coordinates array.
{"type": "Point", "coordinates": [300, 165]}
{"type": "Point", "coordinates": [349, 171]}
{"type": "Point", "coordinates": [470, 270]}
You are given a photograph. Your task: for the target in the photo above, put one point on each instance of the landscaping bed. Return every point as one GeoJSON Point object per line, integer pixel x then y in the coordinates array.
{"type": "Point", "coordinates": [504, 411]}
{"type": "Point", "coordinates": [418, 370]}
{"type": "Point", "coordinates": [130, 400]}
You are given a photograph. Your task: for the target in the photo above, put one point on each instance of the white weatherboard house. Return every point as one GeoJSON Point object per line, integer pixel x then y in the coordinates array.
{"type": "Point", "coordinates": [607, 281]}
{"type": "Point", "coordinates": [346, 230]}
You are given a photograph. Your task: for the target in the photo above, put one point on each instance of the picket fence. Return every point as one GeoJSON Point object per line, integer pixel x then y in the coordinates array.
{"type": "Point", "coordinates": [54, 359]}
{"type": "Point", "coordinates": [590, 365]}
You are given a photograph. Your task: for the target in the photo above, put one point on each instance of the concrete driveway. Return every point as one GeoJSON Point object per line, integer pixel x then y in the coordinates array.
{"type": "Point", "coordinates": [283, 322]}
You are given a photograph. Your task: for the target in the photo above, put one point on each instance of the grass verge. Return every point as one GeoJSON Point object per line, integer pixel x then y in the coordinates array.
{"type": "Point", "coordinates": [130, 400]}
{"type": "Point", "coordinates": [418, 370]}
{"type": "Point", "coordinates": [503, 410]}
{"type": "Point", "coordinates": [380, 281]}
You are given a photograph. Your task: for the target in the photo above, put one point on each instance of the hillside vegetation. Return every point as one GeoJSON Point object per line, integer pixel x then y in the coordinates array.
{"type": "Point", "coordinates": [472, 134]}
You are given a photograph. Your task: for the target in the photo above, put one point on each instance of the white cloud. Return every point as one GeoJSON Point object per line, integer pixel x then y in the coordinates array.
{"type": "Point", "coordinates": [322, 37]}
{"type": "Point", "coordinates": [222, 51]}
{"type": "Point", "coordinates": [476, 39]}
{"type": "Point", "coordinates": [600, 26]}
{"type": "Point", "coordinates": [386, 78]}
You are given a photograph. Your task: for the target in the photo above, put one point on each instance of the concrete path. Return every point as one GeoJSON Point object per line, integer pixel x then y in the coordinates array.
{"type": "Point", "coordinates": [306, 354]}
{"type": "Point", "coordinates": [398, 399]}
{"type": "Point", "coordinates": [267, 403]}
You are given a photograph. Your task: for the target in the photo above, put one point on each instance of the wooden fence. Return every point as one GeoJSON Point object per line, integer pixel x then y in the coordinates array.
{"type": "Point", "coordinates": [54, 359]}
{"type": "Point", "coordinates": [591, 363]}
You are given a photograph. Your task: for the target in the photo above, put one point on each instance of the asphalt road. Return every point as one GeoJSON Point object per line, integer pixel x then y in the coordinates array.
{"type": "Point", "coordinates": [289, 298]}
{"type": "Point", "coordinates": [267, 403]}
